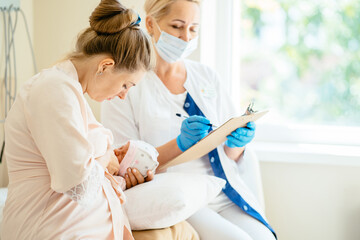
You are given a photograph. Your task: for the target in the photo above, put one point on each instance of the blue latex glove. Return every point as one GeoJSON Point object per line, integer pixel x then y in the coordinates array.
{"type": "Point", "coordinates": [193, 129]}
{"type": "Point", "coordinates": [241, 136]}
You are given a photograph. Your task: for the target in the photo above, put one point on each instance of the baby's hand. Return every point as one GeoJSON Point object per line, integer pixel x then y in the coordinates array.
{"type": "Point", "coordinates": [133, 177]}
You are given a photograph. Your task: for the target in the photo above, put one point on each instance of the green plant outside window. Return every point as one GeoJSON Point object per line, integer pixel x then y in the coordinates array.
{"type": "Point", "coordinates": [303, 58]}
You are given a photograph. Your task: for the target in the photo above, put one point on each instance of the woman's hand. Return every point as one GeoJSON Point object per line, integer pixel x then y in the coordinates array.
{"type": "Point", "coordinates": [193, 129]}
{"type": "Point", "coordinates": [234, 145]}
{"type": "Point", "coordinates": [133, 177]}
{"type": "Point", "coordinates": [241, 136]}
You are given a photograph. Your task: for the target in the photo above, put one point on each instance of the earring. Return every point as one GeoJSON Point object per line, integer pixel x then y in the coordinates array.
{"type": "Point", "coordinates": [99, 73]}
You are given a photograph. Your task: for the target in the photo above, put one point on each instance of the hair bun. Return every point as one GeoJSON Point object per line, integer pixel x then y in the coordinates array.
{"type": "Point", "coordinates": [110, 17]}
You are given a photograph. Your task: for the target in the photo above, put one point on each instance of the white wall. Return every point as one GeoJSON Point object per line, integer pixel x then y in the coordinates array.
{"type": "Point", "coordinates": [24, 65]}
{"type": "Point", "coordinates": [312, 201]}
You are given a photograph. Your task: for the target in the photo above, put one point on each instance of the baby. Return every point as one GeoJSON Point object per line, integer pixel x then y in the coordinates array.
{"type": "Point", "coordinates": [134, 154]}
{"type": "Point", "coordinates": [137, 154]}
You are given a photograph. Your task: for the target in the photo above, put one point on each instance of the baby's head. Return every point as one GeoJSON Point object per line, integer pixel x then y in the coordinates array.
{"type": "Point", "coordinates": [137, 154]}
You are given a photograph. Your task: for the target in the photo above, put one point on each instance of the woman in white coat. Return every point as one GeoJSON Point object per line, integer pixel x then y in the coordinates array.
{"type": "Point", "coordinates": [181, 86]}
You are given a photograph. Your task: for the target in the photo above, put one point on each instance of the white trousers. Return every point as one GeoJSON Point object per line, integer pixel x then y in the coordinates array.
{"type": "Point", "coordinates": [223, 220]}
{"type": "Point", "coordinates": [230, 223]}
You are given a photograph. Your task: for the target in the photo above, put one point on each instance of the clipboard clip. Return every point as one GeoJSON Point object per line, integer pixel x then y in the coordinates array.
{"type": "Point", "coordinates": [249, 109]}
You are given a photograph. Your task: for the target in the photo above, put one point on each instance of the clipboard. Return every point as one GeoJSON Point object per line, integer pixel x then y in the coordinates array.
{"type": "Point", "coordinates": [213, 139]}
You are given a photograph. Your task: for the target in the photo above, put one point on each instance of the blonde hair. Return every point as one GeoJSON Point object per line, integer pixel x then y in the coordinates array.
{"type": "Point", "coordinates": [114, 30]}
{"type": "Point", "coordinates": [159, 8]}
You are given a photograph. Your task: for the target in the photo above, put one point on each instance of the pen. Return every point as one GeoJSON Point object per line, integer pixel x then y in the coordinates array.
{"type": "Point", "coordinates": [184, 116]}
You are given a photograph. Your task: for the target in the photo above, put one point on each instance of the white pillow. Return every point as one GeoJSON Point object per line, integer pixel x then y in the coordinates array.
{"type": "Point", "coordinates": [169, 199]}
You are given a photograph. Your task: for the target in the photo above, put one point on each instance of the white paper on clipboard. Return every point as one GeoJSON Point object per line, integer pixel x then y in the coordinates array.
{"type": "Point", "coordinates": [214, 139]}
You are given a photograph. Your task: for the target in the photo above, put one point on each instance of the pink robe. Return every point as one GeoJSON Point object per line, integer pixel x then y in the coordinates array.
{"type": "Point", "coordinates": [52, 140]}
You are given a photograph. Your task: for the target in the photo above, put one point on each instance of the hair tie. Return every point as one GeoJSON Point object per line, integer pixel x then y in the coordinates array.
{"type": "Point", "coordinates": [137, 23]}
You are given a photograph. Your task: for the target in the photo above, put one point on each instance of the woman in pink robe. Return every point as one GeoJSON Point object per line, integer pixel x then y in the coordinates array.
{"type": "Point", "coordinates": [60, 159]}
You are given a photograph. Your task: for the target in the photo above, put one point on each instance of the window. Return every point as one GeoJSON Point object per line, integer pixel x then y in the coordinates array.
{"type": "Point", "coordinates": [299, 58]}
{"type": "Point", "coordinates": [302, 59]}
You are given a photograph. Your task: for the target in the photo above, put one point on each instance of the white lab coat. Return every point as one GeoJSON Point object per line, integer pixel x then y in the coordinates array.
{"type": "Point", "coordinates": [148, 114]}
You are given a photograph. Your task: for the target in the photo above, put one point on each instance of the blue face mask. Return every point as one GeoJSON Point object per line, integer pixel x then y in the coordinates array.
{"type": "Point", "coordinates": [172, 49]}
